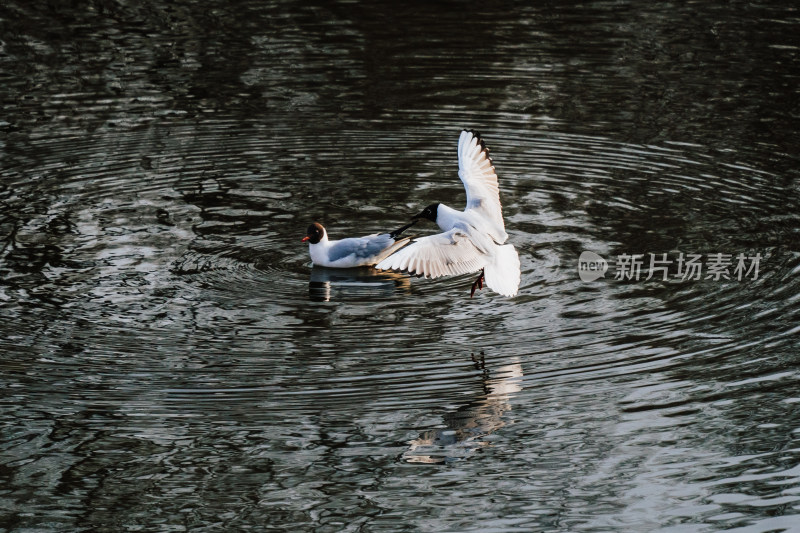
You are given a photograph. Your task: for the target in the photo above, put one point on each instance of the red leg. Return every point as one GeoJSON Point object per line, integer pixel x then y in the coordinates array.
{"type": "Point", "coordinates": [477, 284]}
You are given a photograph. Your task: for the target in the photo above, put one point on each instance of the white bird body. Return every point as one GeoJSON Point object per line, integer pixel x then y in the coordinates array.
{"type": "Point", "coordinates": [351, 252]}
{"type": "Point", "coordinates": [471, 240]}
{"type": "Point", "coordinates": [469, 222]}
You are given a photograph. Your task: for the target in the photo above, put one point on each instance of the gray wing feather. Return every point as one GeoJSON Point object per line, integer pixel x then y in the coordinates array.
{"type": "Point", "coordinates": [362, 247]}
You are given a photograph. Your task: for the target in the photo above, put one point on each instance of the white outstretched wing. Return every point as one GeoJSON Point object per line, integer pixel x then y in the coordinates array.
{"type": "Point", "coordinates": [443, 254]}
{"type": "Point", "coordinates": [480, 180]}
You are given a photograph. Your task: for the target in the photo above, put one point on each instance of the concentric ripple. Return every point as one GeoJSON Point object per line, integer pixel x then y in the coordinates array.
{"type": "Point", "coordinates": [182, 293]}
{"type": "Point", "coordinates": [171, 360]}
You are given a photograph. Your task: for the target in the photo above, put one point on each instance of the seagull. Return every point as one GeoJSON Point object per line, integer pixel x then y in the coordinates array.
{"type": "Point", "coordinates": [471, 240]}
{"type": "Point", "coordinates": [353, 251]}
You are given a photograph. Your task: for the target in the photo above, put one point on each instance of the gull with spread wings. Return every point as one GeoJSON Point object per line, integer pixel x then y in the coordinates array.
{"type": "Point", "coordinates": [471, 240]}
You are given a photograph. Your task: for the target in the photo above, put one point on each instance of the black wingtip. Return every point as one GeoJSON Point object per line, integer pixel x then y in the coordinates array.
{"type": "Point", "coordinates": [484, 149]}
{"type": "Point", "coordinates": [475, 133]}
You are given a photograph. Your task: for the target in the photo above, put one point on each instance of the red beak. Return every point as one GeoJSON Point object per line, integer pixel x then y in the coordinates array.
{"type": "Point", "coordinates": [305, 238]}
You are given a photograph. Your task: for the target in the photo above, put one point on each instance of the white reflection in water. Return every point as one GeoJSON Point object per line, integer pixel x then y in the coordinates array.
{"type": "Point", "coordinates": [467, 428]}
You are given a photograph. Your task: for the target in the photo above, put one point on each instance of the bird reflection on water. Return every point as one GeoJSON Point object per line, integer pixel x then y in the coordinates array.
{"type": "Point", "coordinates": [327, 283]}
{"type": "Point", "coordinates": [471, 423]}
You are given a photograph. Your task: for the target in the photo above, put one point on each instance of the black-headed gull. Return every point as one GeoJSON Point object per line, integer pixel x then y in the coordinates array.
{"type": "Point", "coordinates": [472, 239]}
{"type": "Point", "coordinates": [353, 251]}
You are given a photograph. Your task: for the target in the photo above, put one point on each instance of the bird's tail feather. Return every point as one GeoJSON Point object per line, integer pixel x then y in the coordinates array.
{"type": "Point", "coordinates": [502, 274]}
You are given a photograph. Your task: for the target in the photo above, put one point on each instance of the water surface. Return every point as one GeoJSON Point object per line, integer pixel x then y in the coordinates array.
{"type": "Point", "coordinates": [171, 361]}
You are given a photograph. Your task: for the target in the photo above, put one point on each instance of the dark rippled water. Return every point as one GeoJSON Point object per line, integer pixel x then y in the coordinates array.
{"type": "Point", "coordinates": [170, 361]}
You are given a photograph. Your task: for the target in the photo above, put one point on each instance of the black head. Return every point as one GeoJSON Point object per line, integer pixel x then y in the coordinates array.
{"type": "Point", "coordinates": [314, 233]}
{"type": "Point", "coordinates": [428, 213]}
